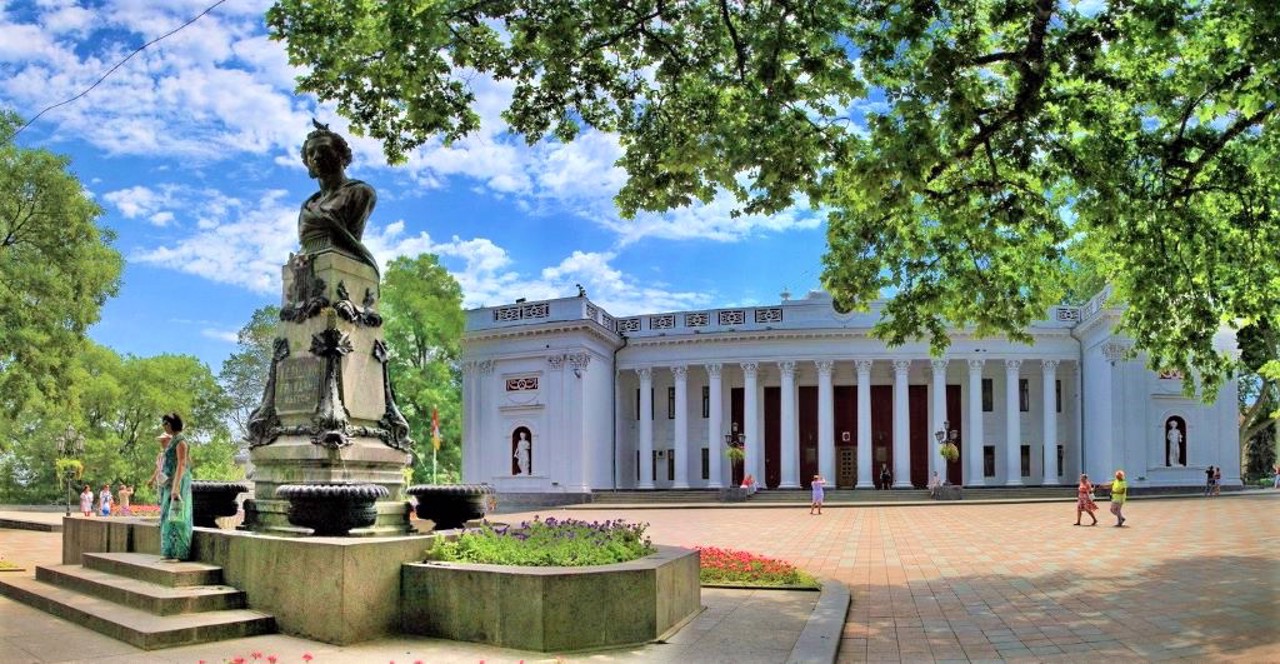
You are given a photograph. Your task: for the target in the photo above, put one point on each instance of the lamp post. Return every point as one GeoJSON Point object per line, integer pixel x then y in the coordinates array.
{"type": "Point", "coordinates": [735, 442]}
{"type": "Point", "coordinates": [946, 435]}
{"type": "Point", "coordinates": [70, 445]}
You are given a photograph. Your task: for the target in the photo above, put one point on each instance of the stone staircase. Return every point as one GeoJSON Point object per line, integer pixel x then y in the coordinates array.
{"type": "Point", "coordinates": [135, 598]}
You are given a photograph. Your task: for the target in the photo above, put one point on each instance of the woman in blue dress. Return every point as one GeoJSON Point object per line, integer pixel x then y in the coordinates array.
{"type": "Point", "coordinates": [176, 524]}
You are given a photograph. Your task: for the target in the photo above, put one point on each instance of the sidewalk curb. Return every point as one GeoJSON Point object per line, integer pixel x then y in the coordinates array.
{"type": "Point", "coordinates": [820, 638]}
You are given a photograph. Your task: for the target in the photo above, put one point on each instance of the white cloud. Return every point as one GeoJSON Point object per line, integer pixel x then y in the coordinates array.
{"type": "Point", "coordinates": [229, 336]}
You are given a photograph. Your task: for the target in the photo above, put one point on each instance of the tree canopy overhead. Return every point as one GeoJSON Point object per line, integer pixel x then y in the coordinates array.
{"type": "Point", "coordinates": [970, 151]}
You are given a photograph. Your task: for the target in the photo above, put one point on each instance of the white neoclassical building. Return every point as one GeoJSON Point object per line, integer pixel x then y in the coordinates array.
{"type": "Point", "coordinates": [561, 397]}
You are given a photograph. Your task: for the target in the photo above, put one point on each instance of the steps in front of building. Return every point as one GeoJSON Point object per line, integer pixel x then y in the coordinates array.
{"type": "Point", "coordinates": [831, 495]}
{"type": "Point", "coordinates": [137, 599]}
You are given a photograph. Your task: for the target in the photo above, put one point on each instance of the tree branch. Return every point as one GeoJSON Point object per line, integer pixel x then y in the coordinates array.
{"type": "Point", "coordinates": [738, 48]}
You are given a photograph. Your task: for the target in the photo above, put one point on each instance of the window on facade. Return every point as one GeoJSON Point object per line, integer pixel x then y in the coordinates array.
{"type": "Point", "coordinates": [706, 403]}
{"type": "Point", "coordinates": [1026, 461]}
{"type": "Point", "coordinates": [655, 464]}
{"type": "Point", "coordinates": [637, 411]}
{"type": "Point", "coordinates": [671, 465]}
{"type": "Point", "coordinates": [671, 403]}
{"type": "Point", "coordinates": [1024, 395]}
{"type": "Point", "coordinates": [988, 460]}
{"type": "Point", "coordinates": [706, 464]}
{"type": "Point", "coordinates": [1057, 393]}
{"type": "Point", "coordinates": [1061, 456]}
{"type": "Point", "coordinates": [988, 398]}
{"type": "Point", "coordinates": [637, 466]}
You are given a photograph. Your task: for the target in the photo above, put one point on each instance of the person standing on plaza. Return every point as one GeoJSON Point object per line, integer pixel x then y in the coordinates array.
{"type": "Point", "coordinates": [176, 523]}
{"type": "Point", "coordinates": [104, 500]}
{"type": "Point", "coordinates": [86, 501]}
{"type": "Point", "coordinates": [1217, 480]}
{"type": "Point", "coordinates": [817, 485]}
{"type": "Point", "coordinates": [1084, 500]}
{"type": "Point", "coordinates": [1119, 494]}
{"type": "Point", "coordinates": [885, 477]}
{"type": "Point", "coordinates": [1275, 481]}
{"type": "Point", "coordinates": [935, 484]}
{"type": "Point", "coordinates": [1208, 481]}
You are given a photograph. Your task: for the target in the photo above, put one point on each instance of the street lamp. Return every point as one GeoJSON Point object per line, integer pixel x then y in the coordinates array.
{"type": "Point", "coordinates": [70, 446]}
{"type": "Point", "coordinates": [735, 439]}
{"type": "Point", "coordinates": [946, 436]}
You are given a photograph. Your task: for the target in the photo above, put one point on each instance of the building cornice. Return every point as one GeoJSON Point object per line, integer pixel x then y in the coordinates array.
{"type": "Point", "coordinates": [545, 329]}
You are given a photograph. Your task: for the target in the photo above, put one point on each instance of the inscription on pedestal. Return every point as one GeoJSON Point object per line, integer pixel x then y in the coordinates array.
{"type": "Point", "coordinates": [298, 385]}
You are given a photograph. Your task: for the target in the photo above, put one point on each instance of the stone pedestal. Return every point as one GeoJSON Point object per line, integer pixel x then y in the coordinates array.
{"type": "Point", "coordinates": [327, 413]}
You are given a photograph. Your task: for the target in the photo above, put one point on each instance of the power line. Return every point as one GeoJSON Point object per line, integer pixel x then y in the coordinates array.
{"type": "Point", "coordinates": [136, 51]}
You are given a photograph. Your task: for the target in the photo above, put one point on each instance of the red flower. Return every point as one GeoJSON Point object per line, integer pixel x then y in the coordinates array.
{"type": "Point", "coordinates": [306, 657]}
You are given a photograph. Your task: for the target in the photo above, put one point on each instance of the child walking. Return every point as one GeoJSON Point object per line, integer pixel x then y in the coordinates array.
{"type": "Point", "coordinates": [818, 482]}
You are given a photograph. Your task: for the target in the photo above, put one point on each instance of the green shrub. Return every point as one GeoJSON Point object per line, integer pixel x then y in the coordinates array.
{"type": "Point", "coordinates": [540, 543]}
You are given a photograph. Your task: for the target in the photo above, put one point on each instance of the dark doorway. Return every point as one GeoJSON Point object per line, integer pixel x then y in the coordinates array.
{"type": "Point", "coordinates": [772, 436]}
{"type": "Point", "coordinates": [809, 443]}
{"type": "Point", "coordinates": [735, 415]}
{"type": "Point", "coordinates": [846, 432]}
{"type": "Point", "coordinates": [881, 431]}
{"type": "Point", "coordinates": [919, 433]}
{"type": "Point", "coordinates": [955, 470]}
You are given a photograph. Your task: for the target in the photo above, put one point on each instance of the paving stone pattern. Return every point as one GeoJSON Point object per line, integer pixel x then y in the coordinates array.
{"type": "Point", "coordinates": [1194, 580]}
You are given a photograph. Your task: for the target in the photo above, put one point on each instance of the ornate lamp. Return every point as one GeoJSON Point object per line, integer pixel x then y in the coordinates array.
{"type": "Point", "coordinates": [70, 445]}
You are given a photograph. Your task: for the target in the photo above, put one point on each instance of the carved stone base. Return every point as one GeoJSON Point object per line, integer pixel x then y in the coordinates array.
{"type": "Point", "coordinates": [296, 460]}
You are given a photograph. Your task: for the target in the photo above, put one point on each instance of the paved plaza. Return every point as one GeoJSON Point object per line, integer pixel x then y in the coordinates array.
{"type": "Point", "coordinates": [1194, 580]}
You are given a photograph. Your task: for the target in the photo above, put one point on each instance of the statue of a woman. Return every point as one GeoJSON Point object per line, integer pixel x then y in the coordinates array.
{"type": "Point", "coordinates": [334, 217]}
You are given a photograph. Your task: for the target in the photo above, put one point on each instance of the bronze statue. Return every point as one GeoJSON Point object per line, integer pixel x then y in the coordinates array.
{"type": "Point", "coordinates": [334, 217]}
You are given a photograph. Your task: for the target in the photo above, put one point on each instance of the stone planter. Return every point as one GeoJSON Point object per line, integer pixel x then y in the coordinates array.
{"type": "Point", "coordinates": [552, 609]}
{"type": "Point", "coordinates": [211, 500]}
{"type": "Point", "coordinates": [450, 506]}
{"type": "Point", "coordinates": [332, 509]}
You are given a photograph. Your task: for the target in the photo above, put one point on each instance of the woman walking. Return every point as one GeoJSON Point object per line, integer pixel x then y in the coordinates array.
{"type": "Point", "coordinates": [176, 525]}
{"type": "Point", "coordinates": [1084, 500]}
{"type": "Point", "coordinates": [1119, 494]}
{"type": "Point", "coordinates": [86, 501]}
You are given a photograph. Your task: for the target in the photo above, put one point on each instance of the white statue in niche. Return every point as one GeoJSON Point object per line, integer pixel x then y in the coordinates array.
{"type": "Point", "coordinates": [1173, 445]}
{"type": "Point", "coordinates": [523, 447]}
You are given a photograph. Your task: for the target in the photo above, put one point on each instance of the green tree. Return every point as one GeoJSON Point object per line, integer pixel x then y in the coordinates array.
{"type": "Point", "coordinates": [244, 373]}
{"type": "Point", "coordinates": [57, 268]}
{"type": "Point", "coordinates": [422, 309]}
{"type": "Point", "coordinates": [960, 145]}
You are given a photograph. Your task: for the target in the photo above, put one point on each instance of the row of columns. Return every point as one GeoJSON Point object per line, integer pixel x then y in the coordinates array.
{"type": "Point", "coordinates": [754, 450]}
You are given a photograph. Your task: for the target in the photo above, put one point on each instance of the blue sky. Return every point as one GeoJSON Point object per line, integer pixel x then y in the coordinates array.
{"type": "Point", "coordinates": [192, 148]}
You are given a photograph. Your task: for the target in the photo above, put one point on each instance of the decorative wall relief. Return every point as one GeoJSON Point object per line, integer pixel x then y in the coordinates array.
{"type": "Point", "coordinates": [306, 295]}
{"type": "Point", "coordinates": [264, 423]}
{"type": "Point", "coordinates": [331, 417]}
{"type": "Point", "coordinates": [360, 315]}
{"type": "Point", "coordinates": [394, 427]}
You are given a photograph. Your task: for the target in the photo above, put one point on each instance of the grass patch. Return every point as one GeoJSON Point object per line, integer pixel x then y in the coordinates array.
{"type": "Point", "coordinates": [727, 567]}
{"type": "Point", "coordinates": [553, 542]}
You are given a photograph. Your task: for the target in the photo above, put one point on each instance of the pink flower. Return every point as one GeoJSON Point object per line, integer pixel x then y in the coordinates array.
{"type": "Point", "coordinates": [306, 657]}
{"type": "Point", "coordinates": [271, 658]}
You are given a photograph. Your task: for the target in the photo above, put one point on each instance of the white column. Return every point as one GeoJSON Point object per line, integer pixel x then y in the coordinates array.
{"type": "Point", "coordinates": [1050, 423]}
{"type": "Point", "coordinates": [939, 389]}
{"type": "Point", "coordinates": [715, 437]}
{"type": "Point", "coordinates": [864, 424]}
{"type": "Point", "coordinates": [753, 462]}
{"type": "Point", "coordinates": [1013, 425]}
{"type": "Point", "coordinates": [901, 427]}
{"type": "Point", "coordinates": [646, 428]}
{"type": "Point", "coordinates": [681, 374]}
{"type": "Point", "coordinates": [790, 448]}
{"type": "Point", "coordinates": [974, 441]}
{"type": "Point", "coordinates": [826, 422]}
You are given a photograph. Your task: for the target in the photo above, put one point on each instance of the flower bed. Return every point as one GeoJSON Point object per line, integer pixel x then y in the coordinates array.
{"type": "Point", "coordinates": [538, 543]}
{"type": "Point", "coordinates": [727, 567]}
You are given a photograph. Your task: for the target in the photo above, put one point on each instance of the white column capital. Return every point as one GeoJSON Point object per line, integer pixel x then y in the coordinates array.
{"type": "Point", "coordinates": [645, 373]}
{"type": "Point", "coordinates": [824, 367]}
{"type": "Point", "coordinates": [975, 364]}
{"type": "Point", "coordinates": [939, 364]}
{"type": "Point", "coordinates": [713, 370]}
{"type": "Point", "coordinates": [556, 362]}
{"type": "Point", "coordinates": [750, 369]}
{"type": "Point", "coordinates": [901, 366]}
{"type": "Point", "coordinates": [1012, 366]}
{"type": "Point", "coordinates": [1050, 366]}
{"type": "Point", "coordinates": [788, 367]}
{"type": "Point", "coordinates": [863, 366]}
{"type": "Point", "coordinates": [680, 371]}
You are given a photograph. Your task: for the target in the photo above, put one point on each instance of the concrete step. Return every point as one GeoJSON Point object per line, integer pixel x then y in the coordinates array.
{"type": "Point", "coordinates": [147, 567]}
{"type": "Point", "coordinates": [134, 626]}
{"type": "Point", "coordinates": [160, 600]}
